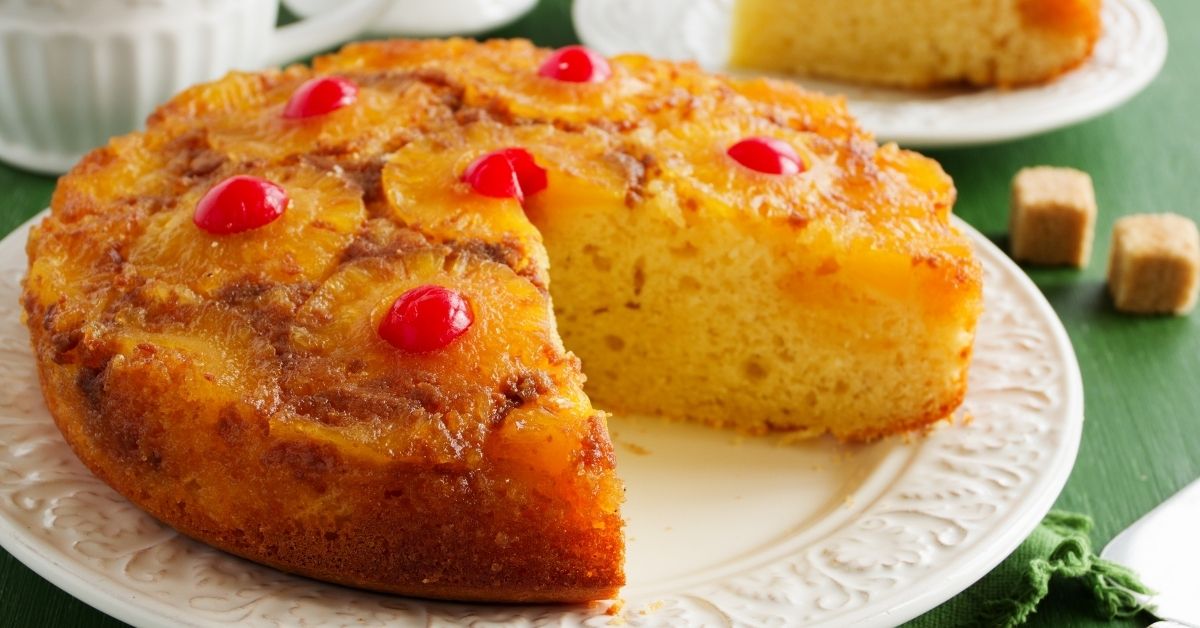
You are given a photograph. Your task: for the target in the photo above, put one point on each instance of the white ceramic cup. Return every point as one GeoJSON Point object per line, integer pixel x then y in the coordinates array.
{"type": "Point", "coordinates": [432, 19]}
{"type": "Point", "coordinates": [75, 72]}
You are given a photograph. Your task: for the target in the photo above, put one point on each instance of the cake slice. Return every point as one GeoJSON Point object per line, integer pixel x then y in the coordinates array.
{"type": "Point", "coordinates": [836, 300]}
{"type": "Point", "coordinates": [914, 43]}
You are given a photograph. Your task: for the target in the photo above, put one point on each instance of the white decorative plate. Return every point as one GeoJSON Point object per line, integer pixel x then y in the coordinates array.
{"type": "Point", "coordinates": [1128, 56]}
{"type": "Point", "coordinates": [422, 18]}
{"type": "Point", "coordinates": [722, 530]}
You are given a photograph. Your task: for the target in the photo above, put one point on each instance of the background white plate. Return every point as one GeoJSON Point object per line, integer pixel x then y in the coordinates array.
{"type": "Point", "coordinates": [1128, 56]}
{"type": "Point", "coordinates": [722, 530]}
{"type": "Point", "coordinates": [425, 18]}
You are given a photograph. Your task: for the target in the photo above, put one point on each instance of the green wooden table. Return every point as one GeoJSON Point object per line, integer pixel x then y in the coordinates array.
{"type": "Point", "coordinates": [1141, 440]}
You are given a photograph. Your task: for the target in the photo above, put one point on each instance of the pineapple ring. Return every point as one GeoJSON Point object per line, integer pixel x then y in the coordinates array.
{"type": "Point", "coordinates": [303, 245]}
{"type": "Point", "coordinates": [338, 353]}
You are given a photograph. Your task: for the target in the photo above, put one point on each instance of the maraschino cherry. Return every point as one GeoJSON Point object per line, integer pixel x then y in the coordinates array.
{"type": "Point", "coordinates": [239, 204]}
{"type": "Point", "coordinates": [319, 96]}
{"type": "Point", "coordinates": [426, 318]}
{"type": "Point", "coordinates": [576, 64]}
{"type": "Point", "coordinates": [766, 155]}
{"type": "Point", "coordinates": [506, 173]}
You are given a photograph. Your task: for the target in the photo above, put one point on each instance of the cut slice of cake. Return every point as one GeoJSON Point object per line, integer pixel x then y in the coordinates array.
{"type": "Point", "coordinates": [915, 43]}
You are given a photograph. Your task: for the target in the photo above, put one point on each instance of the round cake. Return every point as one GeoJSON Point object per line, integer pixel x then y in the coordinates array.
{"type": "Point", "coordinates": [312, 316]}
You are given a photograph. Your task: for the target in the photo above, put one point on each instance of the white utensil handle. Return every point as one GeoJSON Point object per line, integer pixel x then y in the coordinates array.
{"type": "Point", "coordinates": [337, 23]}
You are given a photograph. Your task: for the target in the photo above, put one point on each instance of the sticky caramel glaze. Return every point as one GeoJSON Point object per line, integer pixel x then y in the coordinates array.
{"type": "Point", "coordinates": [235, 386]}
{"type": "Point", "coordinates": [1069, 17]}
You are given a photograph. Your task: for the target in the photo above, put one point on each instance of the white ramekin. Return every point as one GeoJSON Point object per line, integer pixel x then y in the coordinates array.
{"type": "Point", "coordinates": [75, 72]}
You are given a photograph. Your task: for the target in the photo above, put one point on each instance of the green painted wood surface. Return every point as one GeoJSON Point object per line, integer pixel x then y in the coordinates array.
{"type": "Point", "coordinates": [1141, 375]}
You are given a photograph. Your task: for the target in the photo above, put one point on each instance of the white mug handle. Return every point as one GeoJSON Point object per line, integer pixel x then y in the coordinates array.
{"type": "Point", "coordinates": [307, 36]}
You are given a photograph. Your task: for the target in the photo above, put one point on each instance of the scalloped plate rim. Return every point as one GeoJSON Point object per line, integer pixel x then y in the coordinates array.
{"type": "Point", "coordinates": [1013, 535]}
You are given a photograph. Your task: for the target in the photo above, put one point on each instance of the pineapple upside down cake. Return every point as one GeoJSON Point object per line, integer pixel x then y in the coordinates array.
{"type": "Point", "coordinates": [312, 316]}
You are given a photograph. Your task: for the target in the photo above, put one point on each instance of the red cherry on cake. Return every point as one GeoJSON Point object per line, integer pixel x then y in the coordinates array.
{"type": "Point", "coordinates": [239, 204]}
{"type": "Point", "coordinates": [766, 155]}
{"type": "Point", "coordinates": [576, 64]}
{"type": "Point", "coordinates": [506, 173]}
{"type": "Point", "coordinates": [319, 96]}
{"type": "Point", "coordinates": [426, 318]}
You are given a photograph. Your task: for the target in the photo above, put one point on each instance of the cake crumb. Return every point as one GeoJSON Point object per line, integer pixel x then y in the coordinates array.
{"type": "Point", "coordinates": [1154, 266]}
{"type": "Point", "coordinates": [1052, 216]}
{"type": "Point", "coordinates": [798, 436]}
{"type": "Point", "coordinates": [635, 448]}
{"type": "Point", "coordinates": [616, 607]}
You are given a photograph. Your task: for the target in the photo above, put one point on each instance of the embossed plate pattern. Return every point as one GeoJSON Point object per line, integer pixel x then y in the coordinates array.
{"type": "Point", "coordinates": [722, 530]}
{"type": "Point", "coordinates": [1127, 57]}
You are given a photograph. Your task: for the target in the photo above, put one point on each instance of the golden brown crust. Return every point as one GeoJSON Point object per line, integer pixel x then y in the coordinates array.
{"type": "Point", "coordinates": [380, 544]}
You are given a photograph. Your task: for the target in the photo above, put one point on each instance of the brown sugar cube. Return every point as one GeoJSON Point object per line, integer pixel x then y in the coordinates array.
{"type": "Point", "coordinates": [1155, 264]}
{"type": "Point", "coordinates": [1053, 216]}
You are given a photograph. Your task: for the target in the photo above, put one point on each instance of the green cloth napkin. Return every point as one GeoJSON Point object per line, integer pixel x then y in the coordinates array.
{"type": "Point", "coordinates": [1058, 550]}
